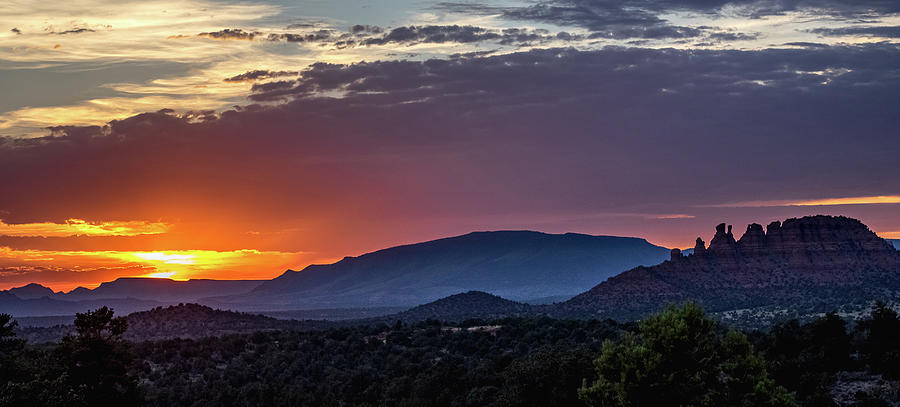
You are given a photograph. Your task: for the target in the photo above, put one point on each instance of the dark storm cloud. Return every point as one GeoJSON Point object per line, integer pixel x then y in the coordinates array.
{"type": "Point", "coordinates": [731, 36]}
{"type": "Point", "coordinates": [878, 31]}
{"type": "Point", "coordinates": [606, 19]}
{"type": "Point", "coordinates": [434, 34]}
{"type": "Point", "coordinates": [807, 44]}
{"type": "Point", "coordinates": [231, 34]}
{"type": "Point", "coordinates": [270, 88]}
{"type": "Point", "coordinates": [545, 131]}
{"type": "Point", "coordinates": [630, 18]}
{"type": "Point", "coordinates": [620, 8]}
{"type": "Point", "coordinates": [317, 36]}
{"type": "Point", "coordinates": [365, 28]}
{"type": "Point", "coordinates": [440, 34]}
{"type": "Point", "coordinates": [259, 74]}
{"type": "Point", "coordinates": [367, 35]}
{"type": "Point", "coordinates": [74, 31]}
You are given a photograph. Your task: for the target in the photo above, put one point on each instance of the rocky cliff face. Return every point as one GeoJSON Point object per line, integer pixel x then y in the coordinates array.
{"type": "Point", "coordinates": [820, 259]}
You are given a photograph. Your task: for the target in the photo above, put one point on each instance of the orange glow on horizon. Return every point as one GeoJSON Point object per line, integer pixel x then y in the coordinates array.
{"type": "Point", "coordinates": [853, 200]}
{"type": "Point", "coordinates": [71, 269]}
{"type": "Point", "coordinates": [859, 200]}
{"type": "Point", "coordinates": [165, 275]}
{"type": "Point", "coordinates": [166, 258]}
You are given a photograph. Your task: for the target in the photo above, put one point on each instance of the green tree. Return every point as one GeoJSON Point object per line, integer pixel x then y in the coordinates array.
{"type": "Point", "coordinates": [96, 359]}
{"type": "Point", "coordinates": [548, 377]}
{"type": "Point", "coordinates": [681, 357]}
{"type": "Point", "coordinates": [882, 346]}
{"type": "Point", "coordinates": [10, 350]}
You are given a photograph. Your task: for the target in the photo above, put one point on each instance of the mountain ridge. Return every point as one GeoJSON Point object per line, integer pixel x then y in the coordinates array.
{"type": "Point", "coordinates": [519, 265]}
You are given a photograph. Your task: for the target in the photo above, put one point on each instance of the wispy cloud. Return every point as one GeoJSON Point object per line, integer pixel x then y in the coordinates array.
{"type": "Point", "coordinates": [671, 216]}
{"type": "Point", "coordinates": [854, 200]}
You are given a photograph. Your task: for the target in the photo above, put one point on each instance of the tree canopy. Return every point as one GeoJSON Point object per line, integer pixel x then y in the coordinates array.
{"type": "Point", "coordinates": [681, 357]}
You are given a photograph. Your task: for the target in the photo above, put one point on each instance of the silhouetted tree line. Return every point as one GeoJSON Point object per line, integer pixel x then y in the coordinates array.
{"type": "Point", "coordinates": [677, 357]}
{"type": "Point", "coordinates": [89, 367]}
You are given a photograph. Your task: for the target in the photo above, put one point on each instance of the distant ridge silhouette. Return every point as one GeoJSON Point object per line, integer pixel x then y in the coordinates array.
{"type": "Point", "coordinates": [517, 265]}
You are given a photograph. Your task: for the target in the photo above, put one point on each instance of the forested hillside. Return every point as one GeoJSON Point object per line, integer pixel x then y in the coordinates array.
{"type": "Point", "coordinates": [503, 362]}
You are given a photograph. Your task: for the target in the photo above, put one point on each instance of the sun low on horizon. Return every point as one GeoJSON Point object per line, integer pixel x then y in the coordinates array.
{"type": "Point", "coordinates": [234, 140]}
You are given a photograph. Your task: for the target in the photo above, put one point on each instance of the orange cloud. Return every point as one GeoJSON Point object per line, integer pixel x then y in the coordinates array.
{"type": "Point", "coordinates": [855, 200]}
{"type": "Point", "coordinates": [672, 216]}
{"type": "Point", "coordinates": [73, 227]}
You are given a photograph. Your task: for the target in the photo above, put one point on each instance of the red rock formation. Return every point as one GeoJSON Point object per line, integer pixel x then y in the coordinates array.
{"type": "Point", "coordinates": [723, 242]}
{"type": "Point", "coordinates": [814, 259]}
{"type": "Point", "coordinates": [753, 242]}
{"type": "Point", "coordinates": [700, 247]}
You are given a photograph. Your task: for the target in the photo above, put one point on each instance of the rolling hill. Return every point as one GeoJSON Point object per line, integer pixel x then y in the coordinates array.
{"type": "Point", "coordinates": [459, 307]}
{"type": "Point", "coordinates": [46, 306]}
{"type": "Point", "coordinates": [125, 295]}
{"type": "Point", "coordinates": [187, 321]}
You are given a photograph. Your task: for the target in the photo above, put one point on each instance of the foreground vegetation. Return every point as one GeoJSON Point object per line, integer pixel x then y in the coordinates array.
{"type": "Point", "coordinates": [678, 357]}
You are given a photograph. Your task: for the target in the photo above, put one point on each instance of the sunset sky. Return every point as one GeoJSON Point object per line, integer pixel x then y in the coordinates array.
{"type": "Point", "coordinates": [234, 140]}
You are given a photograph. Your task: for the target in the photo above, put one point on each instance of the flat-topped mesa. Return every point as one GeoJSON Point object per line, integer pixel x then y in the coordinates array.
{"type": "Point", "coordinates": [818, 236]}
{"type": "Point", "coordinates": [811, 239]}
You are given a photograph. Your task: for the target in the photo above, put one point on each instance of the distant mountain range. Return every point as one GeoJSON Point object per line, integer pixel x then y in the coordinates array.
{"type": "Point", "coordinates": [46, 306]}
{"type": "Point", "coordinates": [518, 265]}
{"type": "Point", "coordinates": [810, 264]}
{"type": "Point", "coordinates": [164, 290]}
{"type": "Point", "coordinates": [895, 242]}
{"type": "Point", "coordinates": [814, 262]}
{"type": "Point", "coordinates": [155, 289]}
{"type": "Point", "coordinates": [125, 295]}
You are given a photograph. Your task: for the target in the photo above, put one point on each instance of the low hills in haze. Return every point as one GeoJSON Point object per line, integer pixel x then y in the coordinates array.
{"type": "Point", "coordinates": [895, 242]}
{"type": "Point", "coordinates": [189, 321]}
{"type": "Point", "coordinates": [165, 290]}
{"type": "Point", "coordinates": [46, 306]}
{"type": "Point", "coordinates": [124, 294]}
{"type": "Point", "coordinates": [518, 265]}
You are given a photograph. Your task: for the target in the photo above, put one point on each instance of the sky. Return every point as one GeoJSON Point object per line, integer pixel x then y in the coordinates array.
{"type": "Point", "coordinates": [234, 140]}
